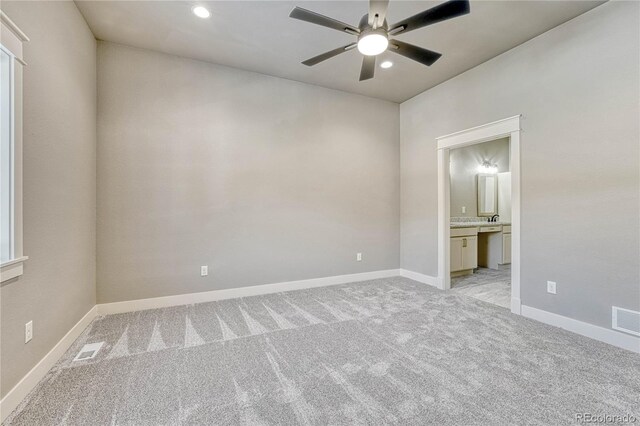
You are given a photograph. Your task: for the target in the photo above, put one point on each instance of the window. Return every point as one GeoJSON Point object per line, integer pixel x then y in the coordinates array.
{"type": "Point", "coordinates": [6, 156]}
{"type": "Point", "coordinates": [11, 63]}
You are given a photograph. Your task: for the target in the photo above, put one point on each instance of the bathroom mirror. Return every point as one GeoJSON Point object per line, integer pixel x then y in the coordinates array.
{"type": "Point", "coordinates": [487, 194]}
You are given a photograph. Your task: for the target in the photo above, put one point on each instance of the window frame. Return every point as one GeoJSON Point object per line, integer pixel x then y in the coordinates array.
{"type": "Point", "coordinates": [11, 44]}
{"type": "Point", "coordinates": [12, 167]}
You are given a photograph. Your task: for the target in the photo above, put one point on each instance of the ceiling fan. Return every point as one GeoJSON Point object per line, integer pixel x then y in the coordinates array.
{"type": "Point", "coordinates": [373, 32]}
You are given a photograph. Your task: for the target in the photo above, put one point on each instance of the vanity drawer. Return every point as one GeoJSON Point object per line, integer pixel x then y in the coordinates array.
{"type": "Point", "coordinates": [497, 228]}
{"type": "Point", "coordinates": [506, 229]}
{"type": "Point", "coordinates": [463, 232]}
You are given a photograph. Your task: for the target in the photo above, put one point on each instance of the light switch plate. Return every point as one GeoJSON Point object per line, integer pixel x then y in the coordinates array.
{"type": "Point", "coordinates": [204, 271]}
{"type": "Point", "coordinates": [551, 287]}
{"type": "Point", "coordinates": [359, 257]}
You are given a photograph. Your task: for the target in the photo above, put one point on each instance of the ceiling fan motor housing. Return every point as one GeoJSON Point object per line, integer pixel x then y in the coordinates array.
{"type": "Point", "coordinates": [364, 23]}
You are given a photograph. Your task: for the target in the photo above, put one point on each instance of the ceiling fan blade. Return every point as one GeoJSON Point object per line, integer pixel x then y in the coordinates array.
{"type": "Point", "coordinates": [439, 13]}
{"type": "Point", "coordinates": [419, 54]}
{"type": "Point", "coordinates": [368, 67]}
{"type": "Point", "coordinates": [325, 21]}
{"type": "Point", "coordinates": [377, 8]}
{"type": "Point", "coordinates": [330, 54]}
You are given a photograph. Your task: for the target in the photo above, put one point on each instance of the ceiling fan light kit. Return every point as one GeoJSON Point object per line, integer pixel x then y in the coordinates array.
{"type": "Point", "coordinates": [373, 42]}
{"type": "Point", "coordinates": [373, 32]}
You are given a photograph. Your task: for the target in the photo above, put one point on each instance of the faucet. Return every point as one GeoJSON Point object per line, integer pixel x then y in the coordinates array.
{"type": "Point", "coordinates": [494, 218]}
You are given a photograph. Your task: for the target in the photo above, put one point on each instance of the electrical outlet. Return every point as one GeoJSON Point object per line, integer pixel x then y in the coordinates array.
{"type": "Point", "coordinates": [359, 257]}
{"type": "Point", "coordinates": [464, 209]}
{"type": "Point", "coordinates": [204, 271]}
{"type": "Point", "coordinates": [28, 331]}
{"type": "Point", "coordinates": [551, 287]}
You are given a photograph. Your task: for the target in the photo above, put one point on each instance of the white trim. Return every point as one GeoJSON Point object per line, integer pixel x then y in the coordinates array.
{"type": "Point", "coordinates": [514, 165]}
{"type": "Point", "coordinates": [516, 303]}
{"type": "Point", "coordinates": [621, 340]}
{"type": "Point", "coordinates": [508, 127]}
{"type": "Point", "coordinates": [11, 45]}
{"type": "Point", "coordinates": [12, 26]}
{"type": "Point", "coordinates": [444, 214]}
{"type": "Point", "coordinates": [14, 261]}
{"type": "Point", "coordinates": [232, 293]}
{"type": "Point", "coordinates": [12, 37]}
{"type": "Point", "coordinates": [12, 165]}
{"type": "Point", "coordinates": [13, 398]}
{"type": "Point", "coordinates": [12, 268]}
{"type": "Point", "coordinates": [422, 278]}
{"type": "Point", "coordinates": [480, 134]}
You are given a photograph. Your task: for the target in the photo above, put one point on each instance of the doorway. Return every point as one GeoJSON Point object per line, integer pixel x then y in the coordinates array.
{"type": "Point", "coordinates": [507, 128]}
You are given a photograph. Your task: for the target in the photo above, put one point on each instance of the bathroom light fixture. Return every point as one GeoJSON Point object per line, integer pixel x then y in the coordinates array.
{"type": "Point", "coordinates": [487, 167]}
{"type": "Point", "coordinates": [386, 64]}
{"type": "Point", "coordinates": [373, 42]}
{"type": "Point", "coordinates": [201, 12]}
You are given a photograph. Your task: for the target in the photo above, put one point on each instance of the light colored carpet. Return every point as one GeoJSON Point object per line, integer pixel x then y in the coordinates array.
{"type": "Point", "coordinates": [489, 285]}
{"type": "Point", "coordinates": [388, 351]}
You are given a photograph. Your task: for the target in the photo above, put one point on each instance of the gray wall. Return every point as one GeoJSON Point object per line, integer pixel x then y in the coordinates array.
{"type": "Point", "coordinates": [464, 164]}
{"type": "Point", "coordinates": [58, 285]}
{"type": "Point", "coordinates": [577, 87]}
{"type": "Point", "coordinates": [263, 179]}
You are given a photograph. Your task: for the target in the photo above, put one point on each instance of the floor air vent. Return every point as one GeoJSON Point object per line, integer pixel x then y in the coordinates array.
{"type": "Point", "coordinates": [88, 351]}
{"type": "Point", "coordinates": [626, 320]}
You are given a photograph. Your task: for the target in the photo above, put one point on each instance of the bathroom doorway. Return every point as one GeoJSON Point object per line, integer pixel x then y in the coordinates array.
{"type": "Point", "coordinates": [480, 228]}
{"type": "Point", "coordinates": [479, 213]}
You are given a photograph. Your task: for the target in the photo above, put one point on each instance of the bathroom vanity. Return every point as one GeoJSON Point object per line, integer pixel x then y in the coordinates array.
{"type": "Point", "coordinates": [464, 250]}
{"type": "Point", "coordinates": [479, 244]}
{"type": "Point", "coordinates": [494, 246]}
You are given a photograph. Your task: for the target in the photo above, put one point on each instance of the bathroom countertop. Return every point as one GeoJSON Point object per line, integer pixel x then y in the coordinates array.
{"type": "Point", "coordinates": [474, 224]}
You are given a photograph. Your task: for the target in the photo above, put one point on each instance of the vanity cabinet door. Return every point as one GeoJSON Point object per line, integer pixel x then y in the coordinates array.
{"type": "Point", "coordinates": [456, 254]}
{"type": "Point", "coordinates": [506, 248]}
{"type": "Point", "coordinates": [469, 252]}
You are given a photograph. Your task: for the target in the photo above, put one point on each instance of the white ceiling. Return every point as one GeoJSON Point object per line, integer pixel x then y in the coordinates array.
{"type": "Point", "coordinates": [259, 36]}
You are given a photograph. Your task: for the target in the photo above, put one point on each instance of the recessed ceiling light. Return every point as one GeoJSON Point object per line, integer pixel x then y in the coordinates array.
{"type": "Point", "coordinates": [386, 64]}
{"type": "Point", "coordinates": [201, 12]}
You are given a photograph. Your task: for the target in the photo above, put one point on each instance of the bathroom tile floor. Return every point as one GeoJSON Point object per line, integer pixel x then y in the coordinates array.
{"type": "Point", "coordinates": [489, 285]}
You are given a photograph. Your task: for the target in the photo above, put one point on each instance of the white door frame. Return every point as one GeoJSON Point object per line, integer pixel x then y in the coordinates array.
{"type": "Point", "coordinates": [508, 127]}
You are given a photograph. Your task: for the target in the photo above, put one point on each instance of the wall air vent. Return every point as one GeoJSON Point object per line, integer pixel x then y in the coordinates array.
{"type": "Point", "coordinates": [88, 351]}
{"type": "Point", "coordinates": [625, 320]}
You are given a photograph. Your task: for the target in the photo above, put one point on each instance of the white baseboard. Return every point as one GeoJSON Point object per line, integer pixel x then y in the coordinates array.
{"type": "Point", "coordinates": [516, 306]}
{"type": "Point", "coordinates": [422, 278]}
{"type": "Point", "coordinates": [612, 337]}
{"type": "Point", "coordinates": [15, 396]}
{"type": "Point", "coordinates": [232, 293]}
